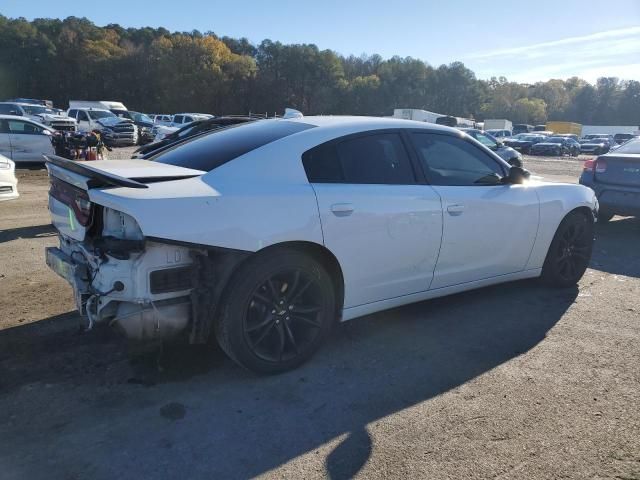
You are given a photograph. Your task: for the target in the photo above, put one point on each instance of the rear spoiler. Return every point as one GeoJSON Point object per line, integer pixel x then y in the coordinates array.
{"type": "Point", "coordinates": [100, 177]}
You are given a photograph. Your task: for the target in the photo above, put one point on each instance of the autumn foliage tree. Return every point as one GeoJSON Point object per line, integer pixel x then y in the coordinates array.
{"type": "Point", "coordinates": [155, 70]}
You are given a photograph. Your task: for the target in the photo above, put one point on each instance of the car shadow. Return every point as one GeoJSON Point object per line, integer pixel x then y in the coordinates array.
{"type": "Point", "coordinates": [35, 231]}
{"type": "Point", "coordinates": [616, 247]}
{"type": "Point", "coordinates": [232, 424]}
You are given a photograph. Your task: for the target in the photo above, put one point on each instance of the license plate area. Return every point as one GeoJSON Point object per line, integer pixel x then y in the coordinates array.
{"type": "Point", "coordinates": [61, 263]}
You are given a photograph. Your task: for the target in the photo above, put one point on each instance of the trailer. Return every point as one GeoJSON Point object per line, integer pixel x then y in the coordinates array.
{"type": "Point", "coordinates": [565, 127]}
{"type": "Point", "coordinates": [610, 129]}
{"type": "Point", "coordinates": [97, 104]}
{"type": "Point", "coordinates": [416, 114]}
{"type": "Point", "coordinates": [497, 124]}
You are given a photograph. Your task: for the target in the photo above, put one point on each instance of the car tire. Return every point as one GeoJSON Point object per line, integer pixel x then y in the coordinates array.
{"type": "Point", "coordinates": [277, 309]}
{"type": "Point", "coordinates": [570, 251]}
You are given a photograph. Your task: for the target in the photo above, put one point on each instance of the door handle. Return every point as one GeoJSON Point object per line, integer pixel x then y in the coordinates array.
{"type": "Point", "coordinates": [456, 209]}
{"type": "Point", "coordinates": [342, 209]}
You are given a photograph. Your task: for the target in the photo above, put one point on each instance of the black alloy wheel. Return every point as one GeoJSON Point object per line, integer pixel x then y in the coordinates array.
{"type": "Point", "coordinates": [570, 251]}
{"type": "Point", "coordinates": [283, 316]}
{"type": "Point", "coordinates": [276, 311]}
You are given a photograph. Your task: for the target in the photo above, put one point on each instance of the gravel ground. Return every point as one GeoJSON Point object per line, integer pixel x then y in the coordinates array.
{"type": "Point", "coordinates": [511, 381]}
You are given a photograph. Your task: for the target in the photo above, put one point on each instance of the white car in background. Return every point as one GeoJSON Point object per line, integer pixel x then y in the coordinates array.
{"type": "Point", "coordinates": [161, 119]}
{"type": "Point", "coordinates": [8, 180]}
{"type": "Point", "coordinates": [265, 234]}
{"type": "Point", "coordinates": [23, 140]}
{"type": "Point", "coordinates": [40, 114]}
{"type": "Point", "coordinates": [178, 121]}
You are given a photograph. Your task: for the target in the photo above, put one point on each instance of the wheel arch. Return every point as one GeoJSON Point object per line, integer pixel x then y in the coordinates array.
{"type": "Point", "coordinates": [324, 257]}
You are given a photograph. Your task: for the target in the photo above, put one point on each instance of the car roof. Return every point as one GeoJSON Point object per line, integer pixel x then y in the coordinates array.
{"type": "Point", "coordinates": [26, 119]}
{"type": "Point", "coordinates": [368, 122]}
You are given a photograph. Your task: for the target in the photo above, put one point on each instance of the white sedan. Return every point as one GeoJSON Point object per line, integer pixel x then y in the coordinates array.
{"type": "Point", "coordinates": [266, 234]}
{"type": "Point", "coordinates": [8, 180]}
{"type": "Point", "coordinates": [23, 140]}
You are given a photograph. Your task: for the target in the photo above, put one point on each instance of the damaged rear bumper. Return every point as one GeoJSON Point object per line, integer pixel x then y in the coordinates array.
{"type": "Point", "coordinates": [145, 294]}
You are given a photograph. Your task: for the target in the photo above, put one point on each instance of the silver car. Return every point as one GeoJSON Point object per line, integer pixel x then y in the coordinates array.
{"type": "Point", "coordinates": [23, 140]}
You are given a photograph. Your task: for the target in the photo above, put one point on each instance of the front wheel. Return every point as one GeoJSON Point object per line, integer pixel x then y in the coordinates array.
{"type": "Point", "coordinates": [570, 251]}
{"type": "Point", "coordinates": [277, 310]}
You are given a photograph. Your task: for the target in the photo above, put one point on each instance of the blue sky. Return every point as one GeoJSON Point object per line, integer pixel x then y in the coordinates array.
{"type": "Point", "coordinates": [524, 41]}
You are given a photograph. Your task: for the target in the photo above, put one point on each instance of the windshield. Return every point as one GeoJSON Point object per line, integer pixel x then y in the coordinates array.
{"type": "Point", "coordinates": [530, 138]}
{"type": "Point", "coordinates": [486, 139]}
{"type": "Point", "coordinates": [632, 146]}
{"type": "Point", "coordinates": [96, 114]}
{"type": "Point", "coordinates": [554, 140]}
{"type": "Point", "coordinates": [35, 109]}
{"type": "Point", "coordinates": [141, 117]}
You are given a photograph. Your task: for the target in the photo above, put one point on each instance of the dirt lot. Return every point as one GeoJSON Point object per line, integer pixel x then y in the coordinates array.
{"type": "Point", "coordinates": [512, 381]}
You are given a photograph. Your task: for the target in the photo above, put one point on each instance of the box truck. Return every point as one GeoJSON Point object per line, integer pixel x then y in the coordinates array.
{"type": "Point", "coordinates": [416, 114]}
{"type": "Point", "coordinates": [497, 124]}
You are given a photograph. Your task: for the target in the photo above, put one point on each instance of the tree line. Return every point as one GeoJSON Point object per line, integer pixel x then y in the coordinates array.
{"type": "Point", "coordinates": [155, 70]}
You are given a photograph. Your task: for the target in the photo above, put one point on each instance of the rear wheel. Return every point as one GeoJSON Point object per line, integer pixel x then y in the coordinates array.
{"type": "Point", "coordinates": [570, 251]}
{"type": "Point", "coordinates": [277, 310]}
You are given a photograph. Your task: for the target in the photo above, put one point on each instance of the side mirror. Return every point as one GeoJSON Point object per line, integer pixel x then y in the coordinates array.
{"type": "Point", "coordinates": [47, 133]}
{"type": "Point", "coordinates": [517, 175]}
{"type": "Point", "coordinates": [515, 162]}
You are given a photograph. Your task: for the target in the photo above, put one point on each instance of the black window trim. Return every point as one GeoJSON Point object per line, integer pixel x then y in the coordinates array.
{"type": "Point", "coordinates": [418, 175]}
{"type": "Point", "coordinates": [465, 138]}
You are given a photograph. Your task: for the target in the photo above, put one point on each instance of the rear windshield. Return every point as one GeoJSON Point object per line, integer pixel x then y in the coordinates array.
{"type": "Point", "coordinates": [217, 148]}
{"type": "Point", "coordinates": [632, 146]}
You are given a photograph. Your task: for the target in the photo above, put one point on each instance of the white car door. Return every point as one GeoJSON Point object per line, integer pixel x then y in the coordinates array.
{"type": "Point", "coordinates": [382, 224]}
{"type": "Point", "coordinates": [28, 141]}
{"type": "Point", "coordinates": [84, 123]}
{"type": "Point", "coordinates": [488, 227]}
{"type": "Point", "coordinates": [5, 139]}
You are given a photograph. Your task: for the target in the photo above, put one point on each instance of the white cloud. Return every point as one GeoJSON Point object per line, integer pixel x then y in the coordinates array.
{"type": "Point", "coordinates": [631, 33]}
{"type": "Point", "coordinates": [613, 53]}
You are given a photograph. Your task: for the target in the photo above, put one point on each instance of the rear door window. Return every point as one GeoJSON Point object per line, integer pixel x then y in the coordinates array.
{"type": "Point", "coordinates": [379, 158]}
{"type": "Point", "coordinates": [219, 147]}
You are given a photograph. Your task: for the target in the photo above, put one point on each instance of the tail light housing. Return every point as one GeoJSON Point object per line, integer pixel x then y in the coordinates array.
{"type": "Point", "coordinates": [601, 166]}
{"type": "Point", "coordinates": [75, 198]}
{"type": "Point", "coordinates": [589, 165]}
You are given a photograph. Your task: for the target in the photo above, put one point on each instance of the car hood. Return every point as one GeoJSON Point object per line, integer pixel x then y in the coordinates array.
{"type": "Point", "coordinates": [54, 117]}
{"type": "Point", "coordinates": [593, 144]}
{"type": "Point", "coordinates": [113, 121]}
{"type": "Point", "coordinates": [547, 144]}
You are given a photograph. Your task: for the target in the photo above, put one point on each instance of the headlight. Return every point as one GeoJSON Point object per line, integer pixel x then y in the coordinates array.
{"type": "Point", "coordinates": [5, 166]}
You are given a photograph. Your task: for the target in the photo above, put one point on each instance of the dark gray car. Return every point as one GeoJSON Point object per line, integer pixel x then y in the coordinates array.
{"type": "Point", "coordinates": [615, 177]}
{"type": "Point", "coordinates": [508, 154]}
